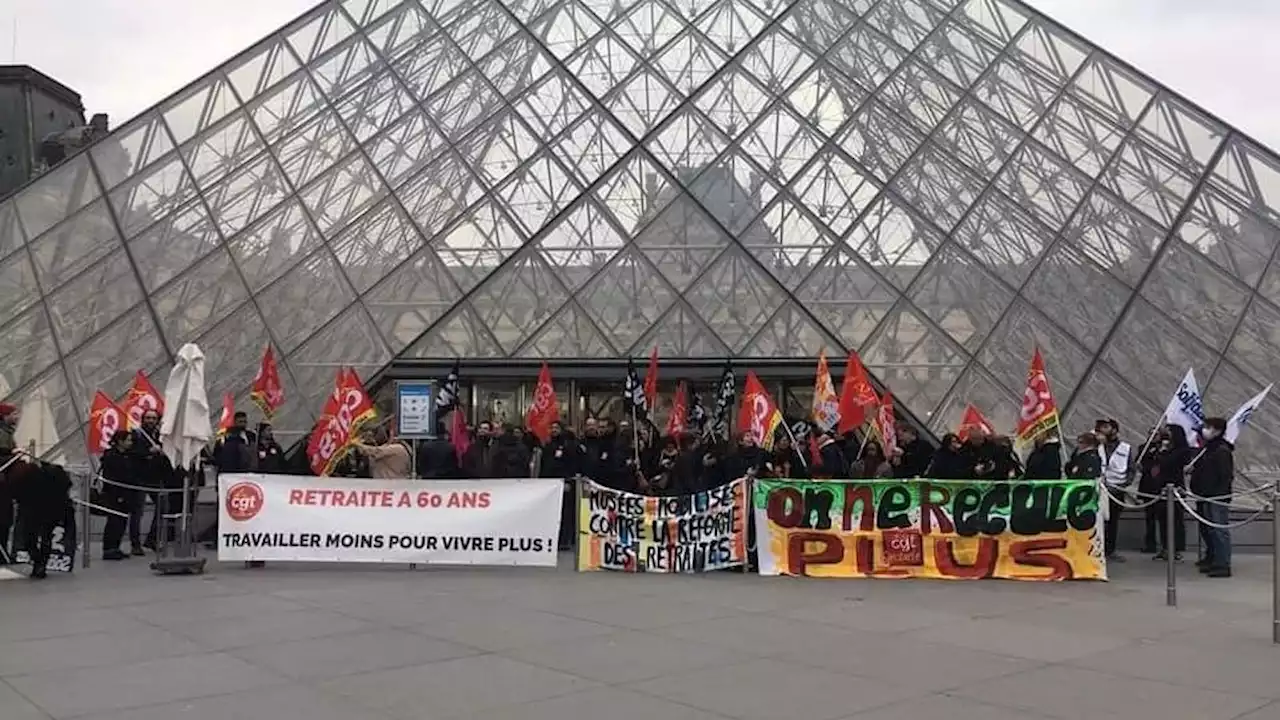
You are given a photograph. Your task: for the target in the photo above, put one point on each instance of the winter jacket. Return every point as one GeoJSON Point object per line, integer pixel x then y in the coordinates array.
{"type": "Point", "coordinates": [271, 459]}
{"type": "Point", "coordinates": [1044, 463]}
{"type": "Point", "coordinates": [118, 467]}
{"type": "Point", "coordinates": [559, 457]}
{"type": "Point", "coordinates": [388, 461]}
{"type": "Point", "coordinates": [916, 456]}
{"type": "Point", "coordinates": [949, 465]}
{"type": "Point", "coordinates": [832, 460]}
{"type": "Point", "coordinates": [481, 460]}
{"type": "Point", "coordinates": [234, 453]}
{"type": "Point", "coordinates": [742, 460]}
{"type": "Point", "coordinates": [438, 460]}
{"type": "Point", "coordinates": [1213, 474]}
{"type": "Point", "coordinates": [153, 468]}
{"type": "Point", "coordinates": [1085, 464]}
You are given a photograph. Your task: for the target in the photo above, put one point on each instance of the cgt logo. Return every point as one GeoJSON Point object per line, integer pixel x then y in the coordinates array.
{"type": "Point", "coordinates": [244, 501]}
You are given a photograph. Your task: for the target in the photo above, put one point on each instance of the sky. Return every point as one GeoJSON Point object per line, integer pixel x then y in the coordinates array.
{"type": "Point", "coordinates": [125, 55]}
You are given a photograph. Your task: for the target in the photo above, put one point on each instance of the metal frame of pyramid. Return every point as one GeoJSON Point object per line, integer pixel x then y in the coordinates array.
{"type": "Point", "coordinates": [940, 184]}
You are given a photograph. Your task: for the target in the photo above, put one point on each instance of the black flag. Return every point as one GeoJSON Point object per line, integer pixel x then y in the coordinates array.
{"type": "Point", "coordinates": [633, 395]}
{"type": "Point", "coordinates": [447, 396]}
{"type": "Point", "coordinates": [696, 420]}
{"type": "Point", "coordinates": [725, 391]}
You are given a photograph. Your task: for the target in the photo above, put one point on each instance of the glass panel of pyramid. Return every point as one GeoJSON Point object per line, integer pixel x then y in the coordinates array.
{"type": "Point", "coordinates": [938, 184]}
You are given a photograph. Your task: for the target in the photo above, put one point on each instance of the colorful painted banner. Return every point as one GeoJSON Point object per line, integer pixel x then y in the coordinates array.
{"type": "Point", "coordinates": [466, 522]}
{"type": "Point", "coordinates": [1042, 530]}
{"type": "Point", "coordinates": [678, 534]}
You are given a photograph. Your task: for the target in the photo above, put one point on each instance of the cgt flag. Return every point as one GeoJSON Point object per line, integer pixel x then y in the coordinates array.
{"type": "Point", "coordinates": [227, 418]}
{"type": "Point", "coordinates": [759, 414]}
{"type": "Point", "coordinates": [826, 404]}
{"type": "Point", "coordinates": [105, 418]}
{"type": "Point", "coordinates": [347, 409]}
{"type": "Point", "coordinates": [856, 395]}
{"type": "Point", "coordinates": [677, 421]}
{"type": "Point", "coordinates": [972, 422]}
{"type": "Point", "coordinates": [651, 380]}
{"type": "Point", "coordinates": [267, 392]}
{"type": "Point", "coordinates": [142, 396]}
{"type": "Point", "coordinates": [887, 426]}
{"type": "Point", "coordinates": [1039, 410]}
{"type": "Point", "coordinates": [545, 408]}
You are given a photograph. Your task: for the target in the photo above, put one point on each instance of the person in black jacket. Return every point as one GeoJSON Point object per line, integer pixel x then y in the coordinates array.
{"type": "Point", "coordinates": [747, 457]}
{"type": "Point", "coordinates": [951, 462]}
{"type": "Point", "coordinates": [1045, 460]}
{"type": "Point", "coordinates": [1162, 464]}
{"type": "Point", "coordinates": [832, 462]}
{"type": "Point", "coordinates": [117, 467]}
{"type": "Point", "coordinates": [913, 456]}
{"type": "Point", "coordinates": [153, 471]}
{"type": "Point", "coordinates": [1212, 474]}
{"type": "Point", "coordinates": [513, 459]}
{"type": "Point", "coordinates": [560, 460]}
{"type": "Point", "coordinates": [270, 454]}
{"type": "Point", "coordinates": [712, 471]}
{"type": "Point", "coordinates": [786, 460]}
{"type": "Point", "coordinates": [1085, 463]}
{"type": "Point", "coordinates": [437, 458]}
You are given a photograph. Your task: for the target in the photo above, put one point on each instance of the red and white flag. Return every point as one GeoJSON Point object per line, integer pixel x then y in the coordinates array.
{"type": "Point", "coordinates": [857, 396]}
{"type": "Point", "coordinates": [105, 418]}
{"type": "Point", "coordinates": [545, 408]}
{"type": "Point", "coordinates": [677, 421]}
{"type": "Point", "coordinates": [141, 397]}
{"type": "Point", "coordinates": [267, 391]}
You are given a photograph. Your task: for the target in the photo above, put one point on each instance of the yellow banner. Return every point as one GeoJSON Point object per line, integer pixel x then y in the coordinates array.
{"type": "Point", "coordinates": [1042, 530]}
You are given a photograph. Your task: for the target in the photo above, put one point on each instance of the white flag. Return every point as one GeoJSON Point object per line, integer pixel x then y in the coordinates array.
{"type": "Point", "coordinates": [1242, 415]}
{"type": "Point", "coordinates": [1186, 408]}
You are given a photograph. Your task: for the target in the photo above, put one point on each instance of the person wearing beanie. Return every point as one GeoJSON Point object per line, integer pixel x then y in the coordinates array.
{"type": "Point", "coordinates": [1211, 474]}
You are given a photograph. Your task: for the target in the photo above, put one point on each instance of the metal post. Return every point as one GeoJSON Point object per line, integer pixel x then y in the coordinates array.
{"type": "Point", "coordinates": [1171, 567]}
{"type": "Point", "coordinates": [1275, 562]}
{"type": "Point", "coordinates": [577, 518]}
{"type": "Point", "coordinates": [413, 458]}
{"type": "Point", "coordinates": [747, 491]}
{"type": "Point", "coordinates": [83, 536]}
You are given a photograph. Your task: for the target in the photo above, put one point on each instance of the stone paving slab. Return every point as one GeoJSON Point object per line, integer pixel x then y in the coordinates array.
{"type": "Point", "coordinates": [289, 642]}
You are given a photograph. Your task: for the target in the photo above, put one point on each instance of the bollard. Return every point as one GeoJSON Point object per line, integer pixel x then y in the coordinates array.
{"type": "Point", "coordinates": [1275, 562]}
{"type": "Point", "coordinates": [577, 519]}
{"type": "Point", "coordinates": [1171, 567]}
{"type": "Point", "coordinates": [83, 537]}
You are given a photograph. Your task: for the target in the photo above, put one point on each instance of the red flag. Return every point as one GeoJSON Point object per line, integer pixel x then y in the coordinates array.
{"type": "Point", "coordinates": [856, 395]}
{"type": "Point", "coordinates": [545, 409]}
{"type": "Point", "coordinates": [345, 411]}
{"type": "Point", "coordinates": [105, 418]}
{"type": "Point", "coordinates": [678, 418]}
{"type": "Point", "coordinates": [759, 414]}
{"type": "Point", "coordinates": [651, 380]}
{"type": "Point", "coordinates": [887, 426]}
{"type": "Point", "coordinates": [1039, 409]}
{"type": "Point", "coordinates": [227, 418]}
{"type": "Point", "coordinates": [973, 421]}
{"type": "Point", "coordinates": [459, 438]}
{"type": "Point", "coordinates": [142, 396]}
{"type": "Point", "coordinates": [826, 406]}
{"type": "Point", "coordinates": [267, 391]}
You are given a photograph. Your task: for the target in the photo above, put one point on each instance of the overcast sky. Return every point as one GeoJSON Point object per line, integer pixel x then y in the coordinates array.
{"type": "Point", "coordinates": [124, 55]}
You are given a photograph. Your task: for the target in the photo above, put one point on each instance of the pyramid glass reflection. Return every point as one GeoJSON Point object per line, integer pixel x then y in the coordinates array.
{"type": "Point", "coordinates": [940, 184]}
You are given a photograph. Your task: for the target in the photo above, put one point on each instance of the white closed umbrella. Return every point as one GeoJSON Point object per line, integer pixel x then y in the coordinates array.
{"type": "Point", "coordinates": [186, 429]}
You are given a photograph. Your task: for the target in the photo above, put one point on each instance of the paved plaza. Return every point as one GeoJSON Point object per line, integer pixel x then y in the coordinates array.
{"type": "Point", "coordinates": [354, 643]}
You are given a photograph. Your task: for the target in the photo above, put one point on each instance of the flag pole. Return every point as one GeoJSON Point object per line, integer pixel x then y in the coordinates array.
{"type": "Point", "coordinates": [635, 434]}
{"type": "Point", "coordinates": [795, 445]}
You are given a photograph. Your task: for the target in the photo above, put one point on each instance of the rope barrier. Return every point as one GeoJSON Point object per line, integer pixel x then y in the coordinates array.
{"type": "Point", "coordinates": [1122, 503]}
{"type": "Point", "coordinates": [1228, 526]}
{"type": "Point", "coordinates": [139, 488]}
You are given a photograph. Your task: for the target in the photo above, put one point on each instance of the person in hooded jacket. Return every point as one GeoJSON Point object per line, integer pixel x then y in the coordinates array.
{"type": "Point", "coordinates": [1045, 460]}
{"type": "Point", "coordinates": [117, 466]}
{"type": "Point", "coordinates": [1162, 464]}
{"type": "Point", "coordinates": [437, 458]}
{"type": "Point", "coordinates": [1212, 473]}
{"type": "Point", "coordinates": [951, 462]}
{"type": "Point", "coordinates": [913, 456]}
{"type": "Point", "coordinates": [1005, 465]}
{"type": "Point", "coordinates": [513, 458]}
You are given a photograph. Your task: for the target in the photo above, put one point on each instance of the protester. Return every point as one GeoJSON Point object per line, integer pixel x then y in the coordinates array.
{"type": "Point", "coordinates": [1117, 474]}
{"type": "Point", "coordinates": [117, 470]}
{"type": "Point", "coordinates": [1085, 462]}
{"type": "Point", "coordinates": [980, 455]}
{"type": "Point", "coordinates": [8, 445]}
{"type": "Point", "coordinates": [388, 459]}
{"type": "Point", "coordinates": [831, 458]}
{"type": "Point", "coordinates": [746, 458]}
{"type": "Point", "coordinates": [786, 460]}
{"type": "Point", "coordinates": [913, 456]}
{"type": "Point", "coordinates": [271, 457]}
{"type": "Point", "coordinates": [437, 457]}
{"type": "Point", "coordinates": [873, 463]}
{"type": "Point", "coordinates": [481, 459]}
{"type": "Point", "coordinates": [1163, 464]}
{"type": "Point", "coordinates": [156, 472]}
{"type": "Point", "coordinates": [233, 453]}
{"type": "Point", "coordinates": [951, 462]}
{"type": "Point", "coordinates": [1212, 474]}
{"type": "Point", "coordinates": [1045, 460]}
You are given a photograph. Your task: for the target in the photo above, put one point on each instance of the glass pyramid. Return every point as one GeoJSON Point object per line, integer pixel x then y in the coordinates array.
{"type": "Point", "coordinates": [940, 184]}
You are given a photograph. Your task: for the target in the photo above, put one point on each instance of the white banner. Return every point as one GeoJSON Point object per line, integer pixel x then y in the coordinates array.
{"type": "Point", "coordinates": [310, 519]}
{"type": "Point", "coordinates": [1186, 408]}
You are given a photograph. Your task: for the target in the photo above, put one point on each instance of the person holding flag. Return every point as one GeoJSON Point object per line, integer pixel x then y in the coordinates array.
{"type": "Point", "coordinates": [1117, 474]}
{"type": "Point", "coordinates": [1211, 476]}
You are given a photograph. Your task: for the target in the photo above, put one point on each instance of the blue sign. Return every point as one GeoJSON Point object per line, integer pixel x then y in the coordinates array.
{"type": "Point", "coordinates": [415, 409]}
